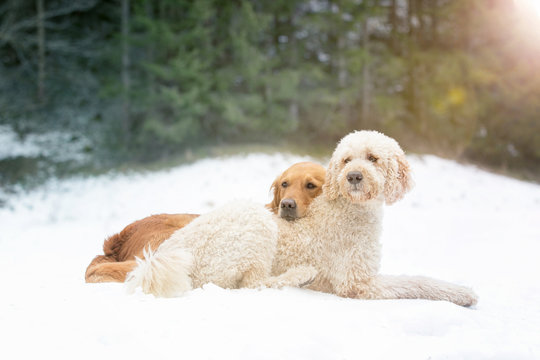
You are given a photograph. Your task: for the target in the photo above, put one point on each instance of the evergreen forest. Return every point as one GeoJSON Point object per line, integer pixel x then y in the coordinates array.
{"type": "Point", "coordinates": [141, 80]}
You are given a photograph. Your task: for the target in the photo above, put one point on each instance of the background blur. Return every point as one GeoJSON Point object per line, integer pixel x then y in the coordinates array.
{"type": "Point", "coordinates": [89, 85]}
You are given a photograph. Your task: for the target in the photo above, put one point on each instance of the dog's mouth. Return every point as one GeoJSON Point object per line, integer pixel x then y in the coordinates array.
{"type": "Point", "coordinates": [356, 195]}
{"type": "Point", "coordinates": [359, 193]}
{"type": "Point", "coordinates": [288, 216]}
{"type": "Point", "coordinates": [355, 188]}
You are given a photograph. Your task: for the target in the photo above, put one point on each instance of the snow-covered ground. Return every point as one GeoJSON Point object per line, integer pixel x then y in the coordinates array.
{"type": "Point", "coordinates": [459, 224]}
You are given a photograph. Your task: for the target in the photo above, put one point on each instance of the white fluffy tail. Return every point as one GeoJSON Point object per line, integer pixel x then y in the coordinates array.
{"type": "Point", "coordinates": [162, 273]}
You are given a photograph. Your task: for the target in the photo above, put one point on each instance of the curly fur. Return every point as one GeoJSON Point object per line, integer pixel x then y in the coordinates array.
{"type": "Point", "coordinates": [232, 247]}
{"type": "Point", "coordinates": [339, 235]}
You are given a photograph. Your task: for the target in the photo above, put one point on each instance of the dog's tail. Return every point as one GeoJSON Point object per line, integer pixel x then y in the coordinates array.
{"type": "Point", "coordinates": [113, 244]}
{"type": "Point", "coordinates": [164, 272]}
{"type": "Point", "coordinates": [95, 271]}
{"type": "Point", "coordinates": [420, 287]}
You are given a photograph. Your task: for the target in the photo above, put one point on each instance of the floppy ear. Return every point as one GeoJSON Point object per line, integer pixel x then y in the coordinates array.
{"type": "Point", "coordinates": [274, 204]}
{"type": "Point", "coordinates": [330, 187]}
{"type": "Point", "coordinates": [399, 180]}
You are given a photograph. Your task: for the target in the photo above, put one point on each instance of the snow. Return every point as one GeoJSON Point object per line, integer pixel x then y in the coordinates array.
{"type": "Point", "coordinates": [58, 145]}
{"type": "Point", "coordinates": [459, 224]}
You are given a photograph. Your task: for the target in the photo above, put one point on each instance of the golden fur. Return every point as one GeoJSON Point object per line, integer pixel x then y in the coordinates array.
{"type": "Point", "coordinates": [121, 249]}
{"type": "Point", "coordinates": [302, 183]}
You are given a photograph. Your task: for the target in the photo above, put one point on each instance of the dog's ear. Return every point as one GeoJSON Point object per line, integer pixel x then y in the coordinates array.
{"type": "Point", "coordinates": [399, 180]}
{"type": "Point", "coordinates": [330, 187]}
{"type": "Point", "coordinates": [274, 204]}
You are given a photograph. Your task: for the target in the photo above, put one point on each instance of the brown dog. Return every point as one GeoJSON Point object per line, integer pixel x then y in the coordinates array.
{"type": "Point", "coordinates": [293, 190]}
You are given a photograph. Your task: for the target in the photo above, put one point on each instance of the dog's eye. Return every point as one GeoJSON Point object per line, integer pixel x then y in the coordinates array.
{"type": "Point", "coordinates": [284, 184]}
{"type": "Point", "coordinates": [311, 186]}
{"type": "Point", "coordinates": [372, 158]}
{"type": "Point", "coordinates": [346, 160]}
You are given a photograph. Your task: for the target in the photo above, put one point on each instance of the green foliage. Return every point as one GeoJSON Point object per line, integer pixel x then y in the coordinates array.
{"type": "Point", "coordinates": [449, 76]}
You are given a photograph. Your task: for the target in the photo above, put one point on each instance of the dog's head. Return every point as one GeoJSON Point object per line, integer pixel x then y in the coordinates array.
{"type": "Point", "coordinates": [296, 188]}
{"type": "Point", "coordinates": [368, 165]}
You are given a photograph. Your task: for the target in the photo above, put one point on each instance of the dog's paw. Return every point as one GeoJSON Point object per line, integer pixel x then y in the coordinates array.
{"type": "Point", "coordinates": [459, 295]}
{"type": "Point", "coordinates": [299, 276]}
{"type": "Point", "coordinates": [308, 275]}
{"type": "Point", "coordinates": [466, 297]}
{"type": "Point", "coordinates": [309, 282]}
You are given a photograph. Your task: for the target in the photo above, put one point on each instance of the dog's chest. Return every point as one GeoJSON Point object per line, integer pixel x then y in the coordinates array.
{"type": "Point", "coordinates": [352, 225]}
{"type": "Point", "coordinates": [352, 243]}
{"type": "Point", "coordinates": [336, 237]}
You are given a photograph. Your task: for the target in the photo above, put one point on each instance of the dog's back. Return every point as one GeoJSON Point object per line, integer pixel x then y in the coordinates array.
{"type": "Point", "coordinates": [121, 249]}
{"type": "Point", "coordinates": [231, 247]}
{"type": "Point", "coordinates": [148, 232]}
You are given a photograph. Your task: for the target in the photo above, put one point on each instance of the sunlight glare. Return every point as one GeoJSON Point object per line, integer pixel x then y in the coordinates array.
{"type": "Point", "coordinates": [528, 22]}
{"type": "Point", "coordinates": [532, 7]}
{"type": "Point", "coordinates": [535, 6]}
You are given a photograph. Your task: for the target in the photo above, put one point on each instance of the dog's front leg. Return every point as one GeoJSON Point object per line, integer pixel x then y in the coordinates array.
{"type": "Point", "coordinates": [352, 278]}
{"type": "Point", "coordinates": [356, 289]}
{"type": "Point", "coordinates": [298, 276]}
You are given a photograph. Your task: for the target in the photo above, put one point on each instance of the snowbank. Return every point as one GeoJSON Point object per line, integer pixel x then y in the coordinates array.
{"type": "Point", "coordinates": [459, 224]}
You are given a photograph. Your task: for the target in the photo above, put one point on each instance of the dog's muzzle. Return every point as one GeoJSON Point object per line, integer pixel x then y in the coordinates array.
{"type": "Point", "coordinates": [287, 209]}
{"type": "Point", "coordinates": [354, 177]}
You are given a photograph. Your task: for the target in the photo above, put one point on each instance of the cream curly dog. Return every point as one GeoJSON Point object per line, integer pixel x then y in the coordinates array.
{"type": "Point", "coordinates": [232, 247]}
{"type": "Point", "coordinates": [339, 236]}
{"type": "Point", "coordinates": [334, 248]}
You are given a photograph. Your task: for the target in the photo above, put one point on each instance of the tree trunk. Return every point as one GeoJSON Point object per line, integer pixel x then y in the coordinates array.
{"type": "Point", "coordinates": [420, 19]}
{"type": "Point", "coordinates": [412, 98]}
{"type": "Point", "coordinates": [393, 20]}
{"type": "Point", "coordinates": [341, 62]}
{"type": "Point", "coordinates": [293, 106]}
{"type": "Point", "coordinates": [41, 50]}
{"type": "Point", "coordinates": [434, 22]}
{"type": "Point", "coordinates": [365, 70]}
{"type": "Point", "coordinates": [411, 18]}
{"type": "Point", "coordinates": [125, 69]}
{"type": "Point", "coordinates": [150, 48]}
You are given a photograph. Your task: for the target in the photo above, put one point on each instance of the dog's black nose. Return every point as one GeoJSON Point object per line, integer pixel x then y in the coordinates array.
{"type": "Point", "coordinates": [288, 204]}
{"type": "Point", "coordinates": [354, 177]}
